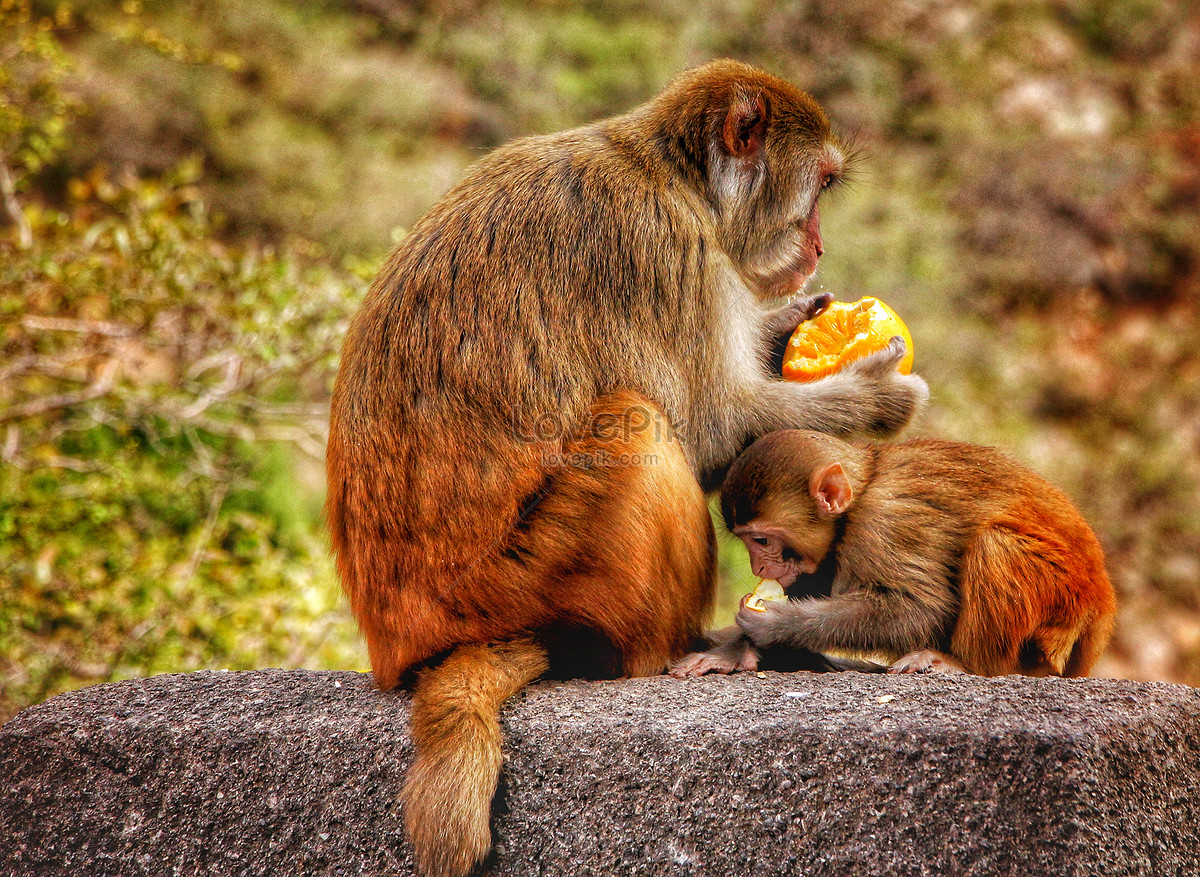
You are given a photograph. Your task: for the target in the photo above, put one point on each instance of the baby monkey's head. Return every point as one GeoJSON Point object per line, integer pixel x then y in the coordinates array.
{"type": "Point", "coordinates": [783, 496]}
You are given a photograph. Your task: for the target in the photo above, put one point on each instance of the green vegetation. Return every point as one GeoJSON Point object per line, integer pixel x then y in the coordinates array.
{"type": "Point", "coordinates": [159, 388]}
{"type": "Point", "coordinates": [150, 374]}
{"type": "Point", "coordinates": [193, 196]}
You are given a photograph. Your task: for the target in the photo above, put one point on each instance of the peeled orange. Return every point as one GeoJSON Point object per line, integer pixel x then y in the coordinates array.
{"type": "Point", "coordinates": [842, 333]}
{"type": "Point", "coordinates": [767, 591]}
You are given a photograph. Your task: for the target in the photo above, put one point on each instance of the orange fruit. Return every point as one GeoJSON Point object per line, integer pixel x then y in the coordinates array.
{"type": "Point", "coordinates": [842, 333]}
{"type": "Point", "coordinates": [766, 591]}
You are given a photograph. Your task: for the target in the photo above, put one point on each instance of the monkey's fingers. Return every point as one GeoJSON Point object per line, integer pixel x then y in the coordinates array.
{"type": "Point", "coordinates": [882, 362]}
{"type": "Point", "coordinates": [927, 661]}
{"type": "Point", "coordinates": [894, 398]}
{"type": "Point", "coordinates": [799, 310]}
{"type": "Point", "coordinates": [813, 305]}
{"type": "Point", "coordinates": [748, 660]}
{"type": "Point", "coordinates": [754, 623]}
{"type": "Point", "coordinates": [700, 663]}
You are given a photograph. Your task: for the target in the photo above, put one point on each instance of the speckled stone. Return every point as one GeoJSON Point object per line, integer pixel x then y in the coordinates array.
{"type": "Point", "coordinates": [291, 772]}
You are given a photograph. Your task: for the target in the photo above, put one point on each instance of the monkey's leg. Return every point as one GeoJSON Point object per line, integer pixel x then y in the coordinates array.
{"type": "Point", "coordinates": [732, 651]}
{"type": "Point", "coordinates": [1013, 617]}
{"type": "Point", "coordinates": [614, 562]}
{"type": "Point", "coordinates": [456, 732]}
{"type": "Point", "coordinates": [623, 542]}
{"type": "Point", "coordinates": [1092, 639]}
{"type": "Point", "coordinates": [1036, 598]}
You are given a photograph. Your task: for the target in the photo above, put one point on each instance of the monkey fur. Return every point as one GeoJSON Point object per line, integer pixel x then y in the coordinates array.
{"type": "Point", "coordinates": [543, 375]}
{"type": "Point", "coordinates": [946, 557]}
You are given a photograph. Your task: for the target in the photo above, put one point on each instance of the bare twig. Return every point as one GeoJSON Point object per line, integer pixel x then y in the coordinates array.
{"type": "Point", "coordinates": [206, 534]}
{"type": "Point", "coordinates": [66, 369]}
{"type": "Point", "coordinates": [56, 462]}
{"type": "Point", "coordinates": [305, 648]}
{"type": "Point", "coordinates": [201, 453]}
{"type": "Point", "coordinates": [213, 360]}
{"type": "Point", "coordinates": [12, 207]}
{"type": "Point", "coordinates": [99, 387]}
{"type": "Point", "coordinates": [87, 327]}
{"type": "Point", "coordinates": [305, 440]}
{"type": "Point", "coordinates": [17, 366]}
{"type": "Point", "coordinates": [229, 383]}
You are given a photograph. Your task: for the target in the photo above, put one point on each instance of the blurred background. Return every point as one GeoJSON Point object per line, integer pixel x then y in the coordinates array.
{"type": "Point", "coordinates": [195, 195]}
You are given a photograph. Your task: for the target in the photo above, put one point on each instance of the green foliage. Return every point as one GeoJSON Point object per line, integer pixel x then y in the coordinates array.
{"type": "Point", "coordinates": [1061, 130]}
{"type": "Point", "coordinates": [551, 66]}
{"type": "Point", "coordinates": [149, 515]}
{"type": "Point", "coordinates": [305, 124]}
{"type": "Point", "coordinates": [34, 108]}
{"type": "Point", "coordinates": [140, 566]}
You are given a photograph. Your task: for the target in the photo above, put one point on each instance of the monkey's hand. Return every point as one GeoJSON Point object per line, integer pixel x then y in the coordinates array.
{"type": "Point", "coordinates": [892, 399]}
{"type": "Point", "coordinates": [867, 396]}
{"type": "Point", "coordinates": [803, 307]}
{"type": "Point", "coordinates": [761, 626]}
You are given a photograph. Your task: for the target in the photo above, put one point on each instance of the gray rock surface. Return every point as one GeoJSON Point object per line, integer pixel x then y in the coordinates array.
{"type": "Point", "coordinates": [292, 772]}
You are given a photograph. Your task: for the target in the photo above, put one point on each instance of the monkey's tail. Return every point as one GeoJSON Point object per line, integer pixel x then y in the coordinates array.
{"type": "Point", "coordinates": [456, 731]}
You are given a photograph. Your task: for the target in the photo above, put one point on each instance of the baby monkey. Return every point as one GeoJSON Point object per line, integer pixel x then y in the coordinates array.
{"type": "Point", "coordinates": [946, 557]}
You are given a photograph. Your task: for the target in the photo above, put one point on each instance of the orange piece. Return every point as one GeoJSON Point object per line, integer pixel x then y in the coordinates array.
{"type": "Point", "coordinates": [766, 591]}
{"type": "Point", "coordinates": [844, 332]}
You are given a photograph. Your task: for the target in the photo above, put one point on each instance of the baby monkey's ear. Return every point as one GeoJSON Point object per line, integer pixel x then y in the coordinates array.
{"type": "Point", "coordinates": [830, 489]}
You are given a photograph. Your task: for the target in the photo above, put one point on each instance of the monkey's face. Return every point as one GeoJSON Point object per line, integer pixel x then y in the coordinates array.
{"type": "Point", "coordinates": [785, 553]}
{"type": "Point", "coordinates": [782, 253]}
{"type": "Point", "coordinates": [781, 502]}
{"type": "Point", "coordinates": [771, 153]}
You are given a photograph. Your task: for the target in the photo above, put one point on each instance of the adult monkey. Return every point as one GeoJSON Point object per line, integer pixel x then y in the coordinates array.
{"type": "Point", "coordinates": [622, 283]}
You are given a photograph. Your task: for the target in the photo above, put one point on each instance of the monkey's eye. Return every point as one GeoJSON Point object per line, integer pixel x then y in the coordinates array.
{"type": "Point", "coordinates": [827, 181]}
{"type": "Point", "coordinates": [760, 540]}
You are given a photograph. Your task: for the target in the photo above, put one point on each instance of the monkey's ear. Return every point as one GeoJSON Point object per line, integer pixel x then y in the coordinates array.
{"type": "Point", "coordinates": [745, 128]}
{"type": "Point", "coordinates": [831, 490]}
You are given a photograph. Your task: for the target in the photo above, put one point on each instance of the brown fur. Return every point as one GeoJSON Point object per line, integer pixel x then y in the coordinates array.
{"type": "Point", "coordinates": [457, 738]}
{"type": "Point", "coordinates": [945, 547]}
{"type": "Point", "coordinates": [621, 271]}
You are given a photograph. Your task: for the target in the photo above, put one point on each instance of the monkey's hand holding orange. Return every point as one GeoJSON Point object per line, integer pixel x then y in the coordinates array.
{"type": "Point", "coordinates": [838, 333]}
{"type": "Point", "coordinates": [543, 374]}
{"type": "Point", "coordinates": [949, 557]}
{"type": "Point", "coordinates": [784, 321]}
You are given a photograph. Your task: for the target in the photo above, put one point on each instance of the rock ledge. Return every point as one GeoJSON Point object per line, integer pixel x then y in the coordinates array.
{"type": "Point", "coordinates": [293, 772]}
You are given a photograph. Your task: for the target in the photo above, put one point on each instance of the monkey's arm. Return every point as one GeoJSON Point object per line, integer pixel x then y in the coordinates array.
{"type": "Point", "coordinates": [730, 650]}
{"type": "Point", "coordinates": [868, 396]}
{"type": "Point", "coordinates": [892, 620]}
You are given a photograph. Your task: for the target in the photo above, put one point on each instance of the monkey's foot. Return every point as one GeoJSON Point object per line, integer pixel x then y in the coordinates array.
{"type": "Point", "coordinates": [927, 661]}
{"type": "Point", "coordinates": [699, 663]}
